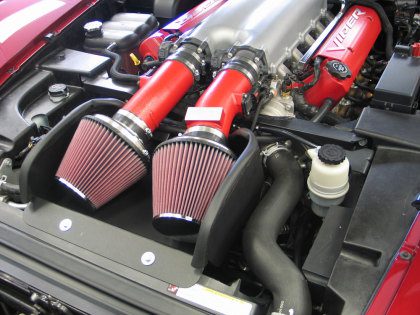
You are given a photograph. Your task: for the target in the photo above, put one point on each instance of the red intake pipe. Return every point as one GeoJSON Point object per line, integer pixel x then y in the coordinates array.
{"type": "Point", "coordinates": [344, 53]}
{"type": "Point", "coordinates": [225, 93]}
{"type": "Point", "coordinates": [161, 93]}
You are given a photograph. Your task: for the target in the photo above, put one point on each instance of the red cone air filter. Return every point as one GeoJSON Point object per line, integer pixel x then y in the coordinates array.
{"type": "Point", "coordinates": [186, 174]}
{"type": "Point", "coordinates": [102, 160]}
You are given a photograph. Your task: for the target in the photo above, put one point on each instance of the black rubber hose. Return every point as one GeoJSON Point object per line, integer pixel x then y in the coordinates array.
{"type": "Point", "coordinates": [284, 133]}
{"type": "Point", "coordinates": [386, 24]}
{"type": "Point", "coordinates": [317, 74]}
{"type": "Point", "coordinates": [264, 100]}
{"type": "Point", "coordinates": [146, 65]}
{"type": "Point", "coordinates": [10, 190]}
{"type": "Point", "coordinates": [268, 262]}
{"type": "Point", "coordinates": [115, 68]}
{"type": "Point", "coordinates": [323, 111]}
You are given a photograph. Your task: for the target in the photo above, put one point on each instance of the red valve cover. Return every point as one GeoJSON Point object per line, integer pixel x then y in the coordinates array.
{"type": "Point", "coordinates": [349, 43]}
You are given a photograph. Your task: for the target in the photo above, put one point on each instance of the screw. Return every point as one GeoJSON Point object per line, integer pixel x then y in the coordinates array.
{"type": "Point", "coordinates": [229, 55]}
{"type": "Point", "coordinates": [65, 225]}
{"type": "Point", "coordinates": [363, 142]}
{"type": "Point", "coordinates": [256, 59]}
{"type": "Point", "coordinates": [199, 50]}
{"type": "Point", "coordinates": [149, 132]}
{"type": "Point", "coordinates": [34, 297]}
{"type": "Point", "coordinates": [405, 255]}
{"type": "Point", "coordinates": [61, 56]}
{"type": "Point", "coordinates": [148, 258]}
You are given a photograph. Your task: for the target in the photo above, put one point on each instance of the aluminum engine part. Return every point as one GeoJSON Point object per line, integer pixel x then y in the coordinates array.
{"type": "Point", "coordinates": [279, 106]}
{"type": "Point", "coordinates": [275, 26]}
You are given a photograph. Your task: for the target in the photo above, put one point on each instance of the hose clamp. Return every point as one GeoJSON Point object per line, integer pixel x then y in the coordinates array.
{"type": "Point", "coordinates": [249, 61]}
{"type": "Point", "coordinates": [200, 140]}
{"type": "Point", "coordinates": [205, 129]}
{"type": "Point", "coordinates": [193, 54]}
{"type": "Point", "coordinates": [246, 67]}
{"type": "Point", "coordinates": [124, 133]}
{"type": "Point", "coordinates": [272, 149]}
{"type": "Point", "coordinates": [132, 120]}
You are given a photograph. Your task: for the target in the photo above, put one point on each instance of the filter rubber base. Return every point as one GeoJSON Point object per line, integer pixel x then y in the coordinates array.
{"type": "Point", "coordinates": [175, 224]}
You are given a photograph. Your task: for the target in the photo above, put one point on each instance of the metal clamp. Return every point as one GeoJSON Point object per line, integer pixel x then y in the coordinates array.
{"type": "Point", "coordinates": [134, 120]}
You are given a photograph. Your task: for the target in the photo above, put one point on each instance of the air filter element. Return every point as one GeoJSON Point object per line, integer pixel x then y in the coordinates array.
{"type": "Point", "coordinates": [102, 160]}
{"type": "Point", "coordinates": [186, 174]}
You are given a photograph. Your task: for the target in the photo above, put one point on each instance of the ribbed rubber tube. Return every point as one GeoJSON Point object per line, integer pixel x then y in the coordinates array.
{"type": "Point", "coordinates": [269, 263]}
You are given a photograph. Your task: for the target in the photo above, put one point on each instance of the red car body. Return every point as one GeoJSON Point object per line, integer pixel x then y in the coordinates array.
{"type": "Point", "coordinates": [27, 26]}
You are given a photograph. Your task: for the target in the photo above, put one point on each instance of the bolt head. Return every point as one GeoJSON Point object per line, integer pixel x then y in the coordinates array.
{"type": "Point", "coordinates": [149, 132]}
{"type": "Point", "coordinates": [65, 225]}
{"type": "Point", "coordinates": [405, 255]}
{"type": "Point", "coordinates": [148, 258]}
{"type": "Point", "coordinates": [363, 142]}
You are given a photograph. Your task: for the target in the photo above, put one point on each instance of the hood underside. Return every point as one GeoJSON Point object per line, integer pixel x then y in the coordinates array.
{"type": "Point", "coordinates": [25, 24]}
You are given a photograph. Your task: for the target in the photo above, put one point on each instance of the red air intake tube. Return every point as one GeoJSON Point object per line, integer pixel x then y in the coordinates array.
{"type": "Point", "coordinates": [153, 102]}
{"type": "Point", "coordinates": [224, 93]}
{"type": "Point", "coordinates": [106, 155]}
{"type": "Point", "coordinates": [188, 170]}
{"type": "Point", "coordinates": [344, 53]}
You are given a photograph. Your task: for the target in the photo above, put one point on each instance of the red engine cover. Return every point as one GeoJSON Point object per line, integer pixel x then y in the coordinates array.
{"type": "Point", "coordinates": [350, 43]}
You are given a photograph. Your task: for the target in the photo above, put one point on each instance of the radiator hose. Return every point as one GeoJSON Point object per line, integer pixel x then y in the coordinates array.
{"type": "Point", "coordinates": [268, 262]}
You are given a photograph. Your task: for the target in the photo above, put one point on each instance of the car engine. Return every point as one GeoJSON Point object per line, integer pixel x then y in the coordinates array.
{"type": "Point", "coordinates": [248, 157]}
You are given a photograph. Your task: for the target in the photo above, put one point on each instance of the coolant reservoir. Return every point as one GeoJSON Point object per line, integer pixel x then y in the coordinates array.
{"type": "Point", "coordinates": [328, 180]}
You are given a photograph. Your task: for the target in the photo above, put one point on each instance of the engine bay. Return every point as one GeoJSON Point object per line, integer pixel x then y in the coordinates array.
{"type": "Point", "coordinates": [245, 157]}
